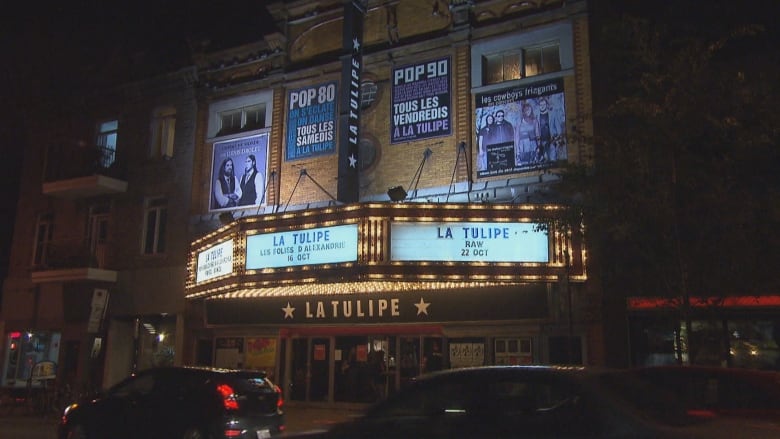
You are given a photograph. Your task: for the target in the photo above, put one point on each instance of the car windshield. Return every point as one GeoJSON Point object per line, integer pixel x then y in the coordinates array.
{"type": "Point", "coordinates": [252, 383]}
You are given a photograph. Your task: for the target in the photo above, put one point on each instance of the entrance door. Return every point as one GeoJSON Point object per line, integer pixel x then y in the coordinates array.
{"type": "Point", "coordinates": [310, 369]}
{"type": "Point", "coordinates": [320, 369]}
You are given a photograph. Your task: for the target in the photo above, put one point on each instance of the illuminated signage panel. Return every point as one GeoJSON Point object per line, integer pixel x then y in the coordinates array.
{"type": "Point", "coordinates": [325, 245]}
{"type": "Point", "coordinates": [214, 262]}
{"type": "Point", "coordinates": [468, 242]}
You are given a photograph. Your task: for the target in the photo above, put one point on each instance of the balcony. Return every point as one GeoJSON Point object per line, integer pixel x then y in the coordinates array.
{"type": "Point", "coordinates": [73, 260]}
{"type": "Point", "coordinates": [75, 172]}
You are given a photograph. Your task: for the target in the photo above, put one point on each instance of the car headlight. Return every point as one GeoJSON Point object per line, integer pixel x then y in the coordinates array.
{"type": "Point", "coordinates": [69, 408]}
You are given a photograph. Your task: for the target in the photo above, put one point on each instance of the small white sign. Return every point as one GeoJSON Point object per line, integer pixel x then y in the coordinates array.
{"type": "Point", "coordinates": [468, 242]}
{"type": "Point", "coordinates": [214, 262]}
{"type": "Point", "coordinates": [325, 245]}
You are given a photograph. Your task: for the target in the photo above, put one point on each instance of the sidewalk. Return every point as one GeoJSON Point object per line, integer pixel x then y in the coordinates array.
{"type": "Point", "coordinates": [304, 418]}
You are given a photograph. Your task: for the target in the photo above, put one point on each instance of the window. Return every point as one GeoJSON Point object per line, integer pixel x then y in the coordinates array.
{"type": "Point", "coordinates": [521, 55]}
{"type": "Point", "coordinates": [368, 91]}
{"type": "Point", "coordinates": [97, 233]}
{"type": "Point", "coordinates": [43, 235]}
{"type": "Point", "coordinates": [501, 67]}
{"type": "Point", "coordinates": [163, 131]}
{"type": "Point", "coordinates": [542, 59]}
{"type": "Point", "coordinates": [513, 350]}
{"type": "Point", "coordinates": [25, 350]}
{"type": "Point", "coordinates": [240, 114]}
{"type": "Point", "coordinates": [156, 215]}
{"type": "Point", "coordinates": [106, 142]}
{"type": "Point", "coordinates": [532, 61]}
{"type": "Point", "coordinates": [241, 120]}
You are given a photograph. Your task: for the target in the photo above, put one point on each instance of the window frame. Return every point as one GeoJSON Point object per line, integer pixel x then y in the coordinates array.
{"type": "Point", "coordinates": [102, 143]}
{"type": "Point", "coordinates": [160, 212]}
{"type": "Point", "coordinates": [163, 132]}
{"type": "Point", "coordinates": [516, 43]}
{"type": "Point", "coordinates": [242, 104]}
{"type": "Point", "coordinates": [42, 241]}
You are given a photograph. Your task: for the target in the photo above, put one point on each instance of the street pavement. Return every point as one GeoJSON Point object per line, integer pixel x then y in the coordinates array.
{"type": "Point", "coordinates": [298, 419]}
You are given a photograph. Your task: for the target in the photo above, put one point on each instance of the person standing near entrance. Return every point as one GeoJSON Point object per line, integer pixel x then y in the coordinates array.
{"type": "Point", "coordinates": [251, 183]}
{"type": "Point", "coordinates": [434, 360]}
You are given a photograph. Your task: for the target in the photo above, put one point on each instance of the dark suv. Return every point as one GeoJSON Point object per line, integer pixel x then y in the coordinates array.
{"type": "Point", "coordinates": [181, 402]}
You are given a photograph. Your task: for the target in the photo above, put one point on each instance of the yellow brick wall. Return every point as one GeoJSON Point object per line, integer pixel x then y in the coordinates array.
{"type": "Point", "coordinates": [396, 164]}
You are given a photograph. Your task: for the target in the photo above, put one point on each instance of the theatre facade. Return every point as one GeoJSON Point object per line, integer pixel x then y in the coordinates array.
{"type": "Point", "coordinates": [374, 196]}
{"type": "Point", "coordinates": [346, 303]}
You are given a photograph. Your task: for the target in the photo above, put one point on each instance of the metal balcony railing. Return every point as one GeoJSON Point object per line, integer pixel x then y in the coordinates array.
{"type": "Point", "coordinates": [72, 253]}
{"type": "Point", "coordinates": [64, 162]}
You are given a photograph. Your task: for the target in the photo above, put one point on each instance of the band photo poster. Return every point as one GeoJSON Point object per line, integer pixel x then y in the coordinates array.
{"type": "Point", "coordinates": [520, 128]}
{"type": "Point", "coordinates": [238, 173]}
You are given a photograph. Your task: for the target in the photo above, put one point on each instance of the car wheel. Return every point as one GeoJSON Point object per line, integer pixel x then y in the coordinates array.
{"type": "Point", "coordinates": [76, 432]}
{"type": "Point", "coordinates": [194, 433]}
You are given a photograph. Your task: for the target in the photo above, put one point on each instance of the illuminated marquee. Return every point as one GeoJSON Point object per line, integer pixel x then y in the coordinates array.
{"type": "Point", "coordinates": [214, 262]}
{"type": "Point", "coordinates": [468, 242]}
{"type": "Point", "coordinates": [326, 245]}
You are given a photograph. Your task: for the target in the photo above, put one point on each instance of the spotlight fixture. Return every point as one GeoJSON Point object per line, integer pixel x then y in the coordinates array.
{"type": "Point", "coordinates": [226, 218]}
{"type": "Point", "coordinates": [396, 193]}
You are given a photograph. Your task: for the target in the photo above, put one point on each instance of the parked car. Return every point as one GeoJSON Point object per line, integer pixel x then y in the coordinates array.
{"type": "Point", "coordinates": [531, 402]}
{"type": "Point", "coordinates": [180, 403]}
{"type": "Point", "coordinates": [731, 392]}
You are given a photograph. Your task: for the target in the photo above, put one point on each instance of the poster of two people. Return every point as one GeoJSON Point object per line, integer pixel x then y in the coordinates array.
{"type": "Point", "coordinates": [238, 173]}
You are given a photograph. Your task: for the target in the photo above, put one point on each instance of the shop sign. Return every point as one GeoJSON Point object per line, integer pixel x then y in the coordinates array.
{"type": "Point", "coordinates": [505, 303]}
{"type": "Point", "coordinates": [214, 262]}
{"type": "Point", "coordinates": [325, 245]}
{"type": "Point", "coordinates": [97, 310]}
{"type": "Point", "coordinates": [468, 242]}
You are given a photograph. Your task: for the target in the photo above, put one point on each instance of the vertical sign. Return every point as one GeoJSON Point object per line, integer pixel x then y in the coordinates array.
{"type": "Point", "coordinates": [311, 121]}
{"type": "Point", "coordinates": [349, 111]}
{"type": "Point", "coordinates": [97, 309]}
{"type": "Point", "coordinates": [421, 101]}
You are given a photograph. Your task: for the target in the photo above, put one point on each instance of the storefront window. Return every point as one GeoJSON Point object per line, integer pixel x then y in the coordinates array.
{"type": "Point", "coordinates": [735, 342]}
{"type": "Point", "coordinates": [754, 344]}
{"type": "Point", "coordinates": [24, 350]}
{"type": "Point", "coordinates": [466, 353]}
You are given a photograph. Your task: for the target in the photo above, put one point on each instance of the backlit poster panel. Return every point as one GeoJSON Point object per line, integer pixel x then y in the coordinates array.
{"type": "Point", "coordinates": [324, 245]}
{"type": "Point", "coordinates": [238, 173]}
{"type": "Point", "coordinates": [311, 121]}
{"type": "Point", "coordinates": [214, 262]}
{"type": "Point", "coordinates": [520, 128]}
{"type": "Point", "coordinates": [420, 101]}
{"type": "Point", "coordinates": [468, 242]}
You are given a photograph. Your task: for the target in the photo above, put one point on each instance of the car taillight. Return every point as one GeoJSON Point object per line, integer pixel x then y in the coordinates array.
{"type": "Point", "coordinates": [233, 433]}
{"type": "Point", "coordinates": [279, 399]}
{"type": "Point", "coordinates": [229, 401]}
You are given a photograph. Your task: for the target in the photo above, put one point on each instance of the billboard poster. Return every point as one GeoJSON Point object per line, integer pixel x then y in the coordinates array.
{"type": "Point", "coordinates": [420, 101]}
{"type": "Point", "coordinates": [520, 128]}
{"type": "Point", "coordinates": [311, 121]}
{"type": "Point", "coordinates": [238, 172]}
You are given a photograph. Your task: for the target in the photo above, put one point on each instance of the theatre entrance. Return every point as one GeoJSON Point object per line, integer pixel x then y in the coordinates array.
{"type": "Point", "coordinates": [357, 368]}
